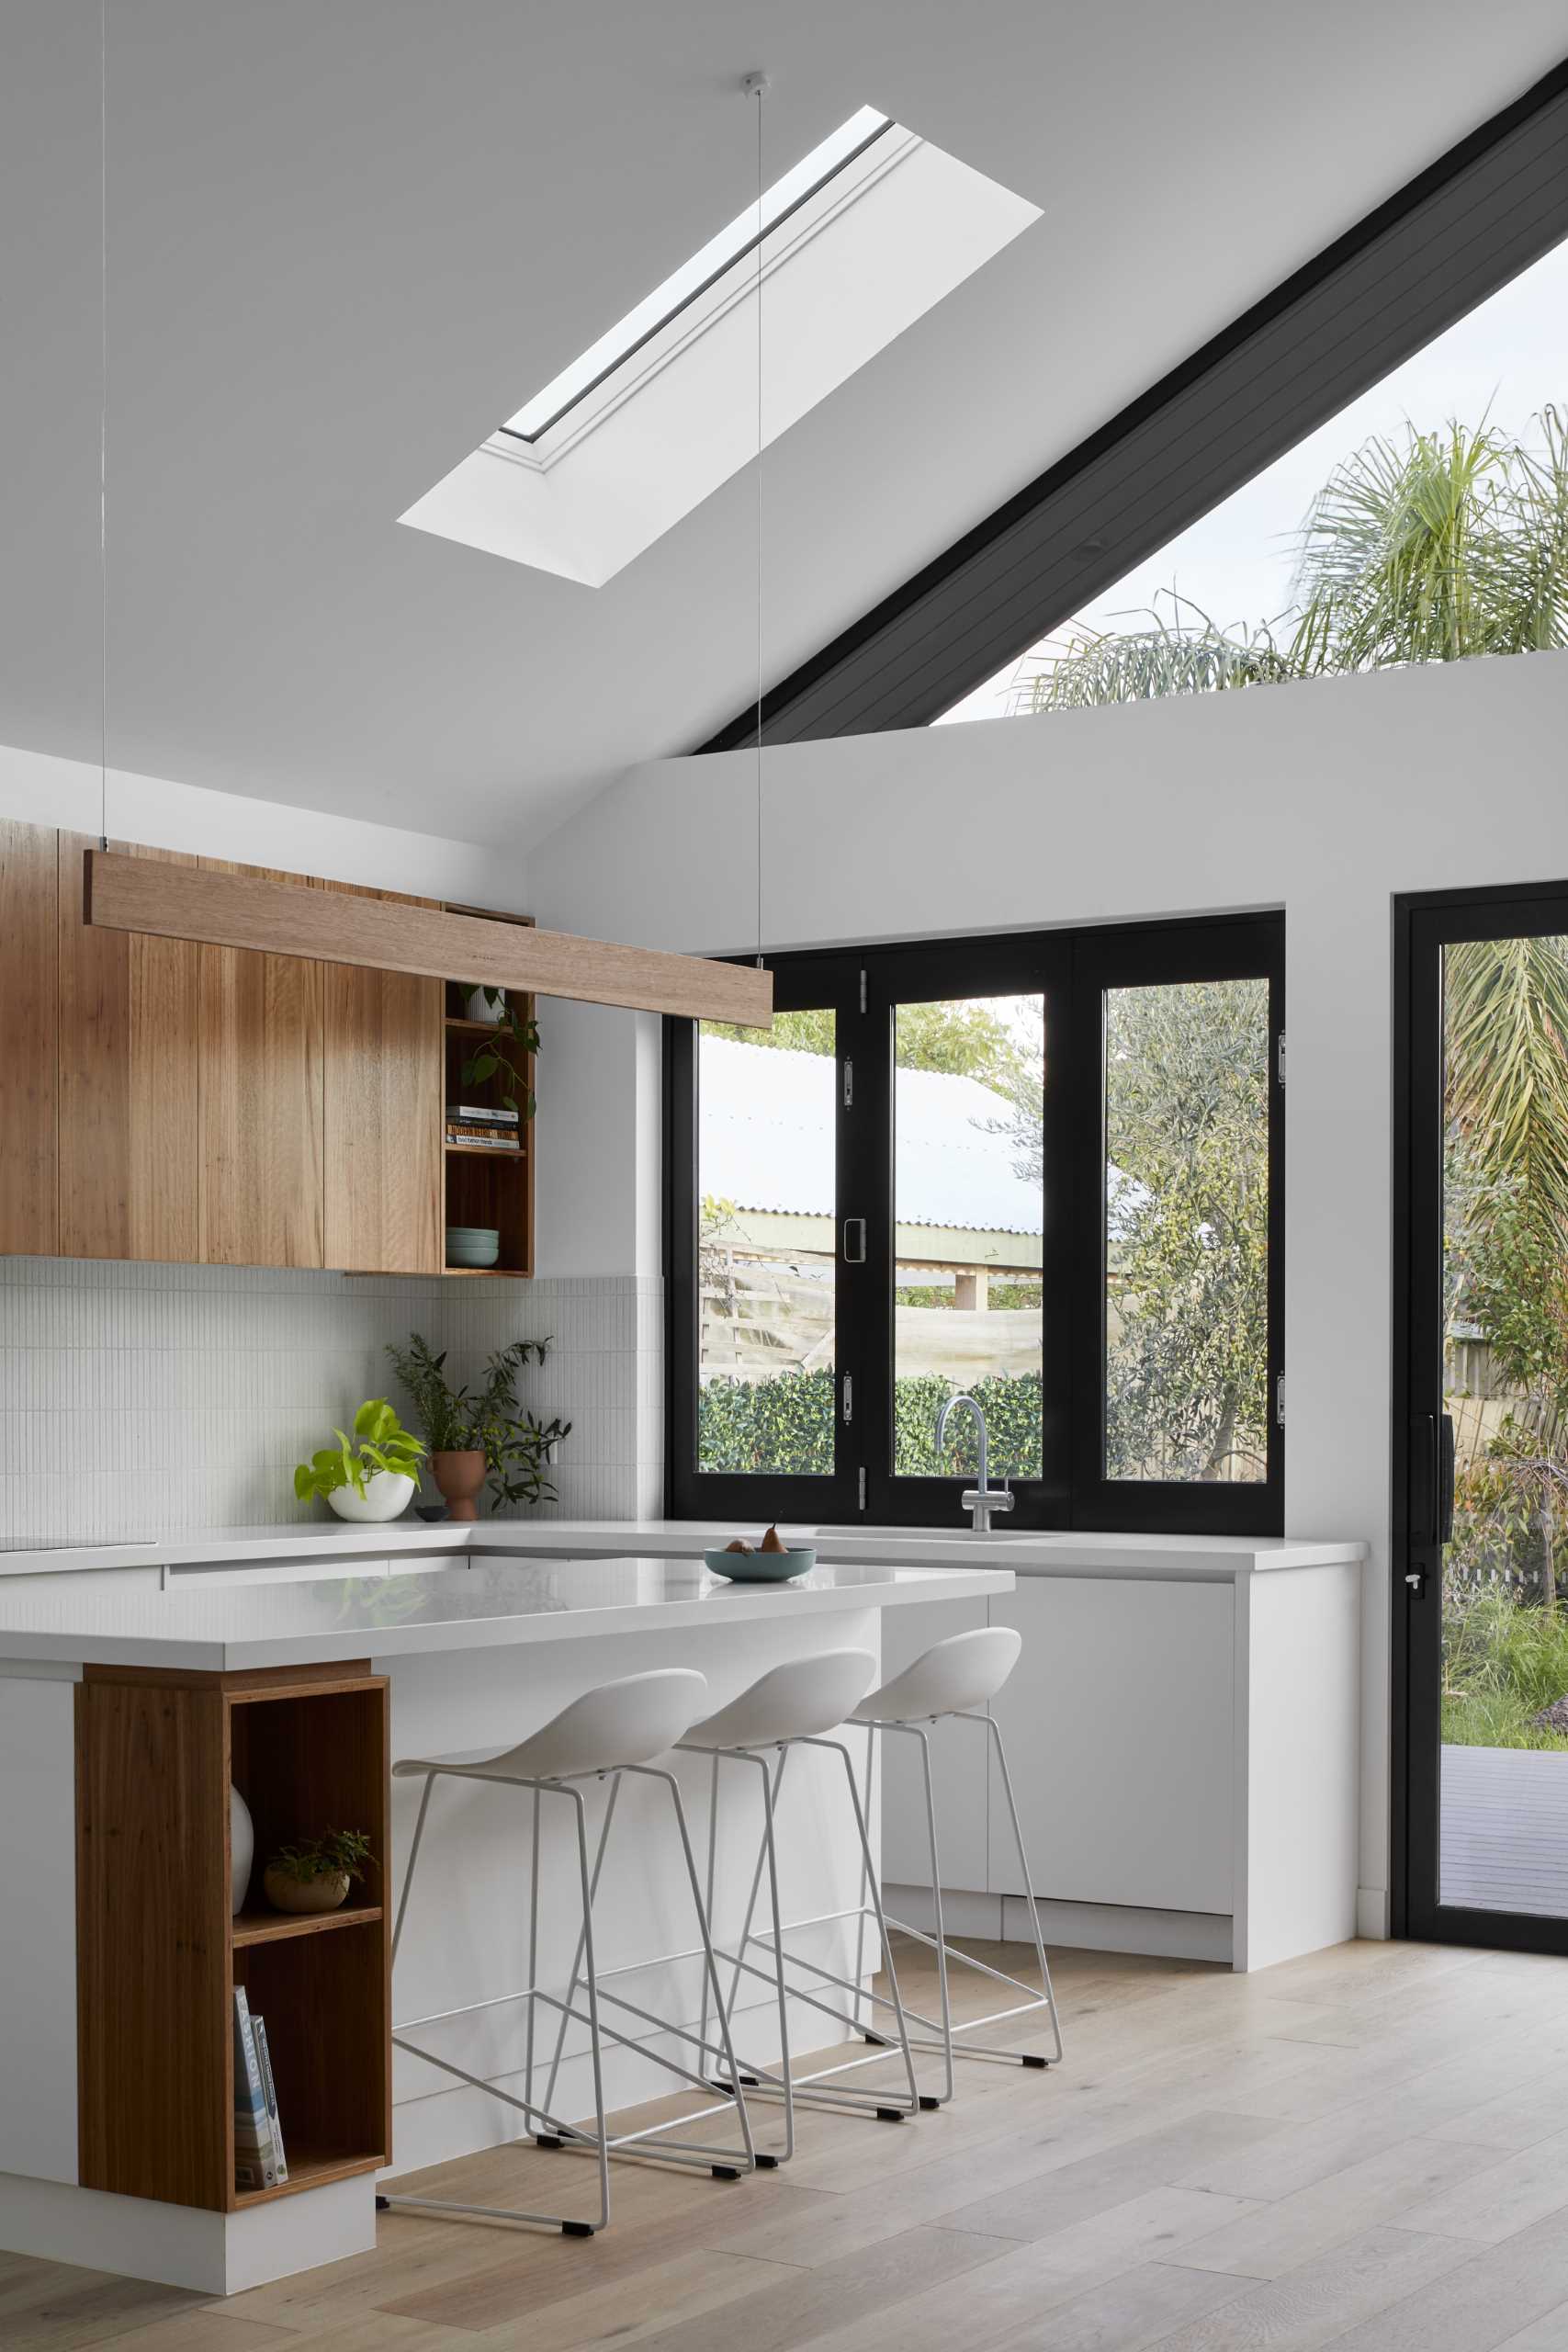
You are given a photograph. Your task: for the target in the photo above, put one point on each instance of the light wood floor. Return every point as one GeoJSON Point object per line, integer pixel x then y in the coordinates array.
{"type": "Point", "coordinates": [1368, 2149]}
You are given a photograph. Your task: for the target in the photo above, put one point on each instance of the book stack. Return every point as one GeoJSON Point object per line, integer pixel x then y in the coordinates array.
{"type": "Point", "coordinates": [482, 1124]}
{"type": "Point", "coordinates": [259, 2160]}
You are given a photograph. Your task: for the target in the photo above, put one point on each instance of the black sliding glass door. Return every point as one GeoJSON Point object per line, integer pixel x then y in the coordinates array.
{"type": "Point", "coordinates": [1481, 1432]}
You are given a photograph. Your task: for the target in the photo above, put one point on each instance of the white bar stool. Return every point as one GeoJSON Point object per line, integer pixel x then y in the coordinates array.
{"type": "Point", "coordinates": [958, 1677]}
{"type": "Point", "coordinates": [794, 1706]}
{"type": "Point", "coordinates": [617, 1728]}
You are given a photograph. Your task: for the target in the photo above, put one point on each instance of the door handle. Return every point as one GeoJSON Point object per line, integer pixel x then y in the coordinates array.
{"type": "Point", "coordinates": [854, 1241]}
{"type": "Point", "coordinates": [1445, 1513]}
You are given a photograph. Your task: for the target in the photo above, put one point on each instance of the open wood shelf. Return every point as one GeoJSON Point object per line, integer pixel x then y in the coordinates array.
{"type": "Point", "coordinates": [159, 1955]}
{"type": "Point", "coordinates": [502, 1193]}
{"type": "Point", "coordinates": [312, 2169]}
{"type": "Point", "coordinates": [273, 1926]}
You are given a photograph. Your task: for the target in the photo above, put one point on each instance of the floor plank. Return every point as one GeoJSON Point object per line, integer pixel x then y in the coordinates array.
{"type": "Point", "coordinates": [1366, 2148]}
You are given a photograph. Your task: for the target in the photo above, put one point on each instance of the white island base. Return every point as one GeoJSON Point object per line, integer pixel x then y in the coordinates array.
{"type": "Point", "coordinates": [474, 1652]}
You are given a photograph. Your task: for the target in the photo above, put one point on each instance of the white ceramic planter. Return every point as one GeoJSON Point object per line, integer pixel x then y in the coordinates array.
{"type": "Point", "coordinates": [388, 1495]}
{"type": "Point", "coordinates": [486, 1004]}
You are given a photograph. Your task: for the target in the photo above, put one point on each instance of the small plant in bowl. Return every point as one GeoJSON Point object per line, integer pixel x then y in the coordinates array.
{"type": "Point", "coordinates": [315, 1874]}
{"type": "Point", "coordinates": [371, 1476]}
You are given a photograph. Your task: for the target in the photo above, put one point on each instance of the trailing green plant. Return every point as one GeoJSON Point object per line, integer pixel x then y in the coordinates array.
{"type": "Point", "coordinates": [379, 1443]}
{"type": "Point", "coordinates": [490, 1420]}
{"type": "Point", "coordinates": [441, 1409]}
{"type": "Point", "coordinates": [513, 1041]}
{"type": "Point", "coordinates": [517, 1445]}
{"type": "Point", "coordinates": [336, 1853]}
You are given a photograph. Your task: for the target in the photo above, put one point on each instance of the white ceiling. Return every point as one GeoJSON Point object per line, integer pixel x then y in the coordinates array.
{"type": "Point", "coordinates": [347, 237]}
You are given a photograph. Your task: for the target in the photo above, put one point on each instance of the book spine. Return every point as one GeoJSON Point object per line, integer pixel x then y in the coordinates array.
{"type": "Point", "coordinates": [254, 2164]}
{"type": "Point", "coordinates": [269, 2093]}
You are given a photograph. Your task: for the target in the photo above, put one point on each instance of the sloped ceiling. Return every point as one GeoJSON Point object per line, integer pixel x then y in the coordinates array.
{"type": "Point", "coordinates": [347, 239]}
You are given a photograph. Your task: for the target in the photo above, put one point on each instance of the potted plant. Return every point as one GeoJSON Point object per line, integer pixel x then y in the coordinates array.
{"type": "Point", "coordinates": [515, 1036]}
{"type": "Point", "coordinates": [369, 1477]}
{"type": "Point", "coordinates": [315, 1874]}
{"type": "Point", "coordinates": [480, 1434]}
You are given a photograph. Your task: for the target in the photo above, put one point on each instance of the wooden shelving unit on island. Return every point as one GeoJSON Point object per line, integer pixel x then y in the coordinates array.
{"type": "Point", "coordinates": [159, 1954]}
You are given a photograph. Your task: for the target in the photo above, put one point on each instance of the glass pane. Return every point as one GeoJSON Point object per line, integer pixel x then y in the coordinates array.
{"type": "Point", "coordinates": [1504, 1825]}
{"type": "Point", "coordinates": [967, 1092]}
{"type": "Point", "coordinates": [1340, 555]}
{"type": "Point", "coordinates": [1187, 1231]}
{"type": "Point", "coordinates": [766, 1204]}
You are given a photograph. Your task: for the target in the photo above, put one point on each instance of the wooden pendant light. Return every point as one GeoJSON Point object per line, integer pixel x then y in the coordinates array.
{"type": "Point", "coordinates": [289, 919]}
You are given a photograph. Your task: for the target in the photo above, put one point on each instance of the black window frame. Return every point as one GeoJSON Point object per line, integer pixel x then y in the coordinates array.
{"type": "Point", "coordinates": [1070, 969]}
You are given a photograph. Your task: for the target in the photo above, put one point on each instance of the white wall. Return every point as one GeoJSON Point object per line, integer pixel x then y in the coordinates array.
{"type": "Point", "coordinates": [1327, 799]}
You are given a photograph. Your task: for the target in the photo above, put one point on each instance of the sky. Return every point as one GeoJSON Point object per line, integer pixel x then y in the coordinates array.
{"type": "Point", "coordinates": [1509, 356]}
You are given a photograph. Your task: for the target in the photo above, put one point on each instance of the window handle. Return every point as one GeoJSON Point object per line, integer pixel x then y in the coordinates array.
{"type": "Point", "coordinates": [854, 1241]}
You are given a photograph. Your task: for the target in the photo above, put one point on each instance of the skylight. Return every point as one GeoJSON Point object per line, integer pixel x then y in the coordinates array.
{"type": "Point", "coordinates": [682, 287]}
{"type": "Point", "coordinates": [863, 237]}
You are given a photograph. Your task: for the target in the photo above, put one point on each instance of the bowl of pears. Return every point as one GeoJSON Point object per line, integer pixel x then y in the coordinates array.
{"type": "Point", "coordinates": [772, 1561]}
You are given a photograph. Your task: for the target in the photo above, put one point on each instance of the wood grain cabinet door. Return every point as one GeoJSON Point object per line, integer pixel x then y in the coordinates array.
{"type": "Point", "coordinates": [128, 1081]}
{"type": "Point", "coordinates": [261, 1171]}
{"type": "Point", "coordinates": [383, 1117]}
{"type": "Point", "coordinates": [29, 919]}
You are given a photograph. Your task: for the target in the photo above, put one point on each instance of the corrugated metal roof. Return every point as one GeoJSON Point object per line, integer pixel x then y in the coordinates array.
{"type": "Point", "coordinates": [767, 1141]}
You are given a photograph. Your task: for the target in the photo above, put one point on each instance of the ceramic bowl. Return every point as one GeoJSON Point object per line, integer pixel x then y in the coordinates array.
{"type": "Point", "coordinates": [472, 1245]}
{"type": "Point", "coordinates": [762, 1567]}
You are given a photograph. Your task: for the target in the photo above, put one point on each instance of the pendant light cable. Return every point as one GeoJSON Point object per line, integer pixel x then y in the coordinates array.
{"type": "Point", "coordinates": [103, 423]}
{"type": "Point", "coordinates": [756, 86]}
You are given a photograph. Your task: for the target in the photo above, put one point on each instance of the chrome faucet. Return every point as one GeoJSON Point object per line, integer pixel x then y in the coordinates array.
{"type": "Point", "coordinates": [979, 1501]}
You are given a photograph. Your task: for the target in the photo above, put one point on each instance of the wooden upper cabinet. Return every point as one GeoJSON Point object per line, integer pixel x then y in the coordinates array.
{"type": "Point", "coordinates": [383, 1117]}
{"type": "Point", "coordinates": [261, 1171]}
{"type": "Point", "coordinates": [29, 919]}
{"type": "Point", "coordinates": [128, 1082]}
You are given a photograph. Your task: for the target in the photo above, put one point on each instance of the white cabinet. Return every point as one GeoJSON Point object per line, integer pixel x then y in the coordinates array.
{"type": "Point", "coordinates": [1183, 1749]}
{"type": "Point", "coordinates": [1119, 1723]}
{"type": "Point", "coordinates": [958, 1764]}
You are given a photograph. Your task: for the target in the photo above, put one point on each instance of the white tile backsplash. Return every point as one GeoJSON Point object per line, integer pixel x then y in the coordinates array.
{"type": "Point", "coordinates": [139, 1400]}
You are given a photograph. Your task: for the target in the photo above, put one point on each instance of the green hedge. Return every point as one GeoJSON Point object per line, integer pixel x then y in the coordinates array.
{"type": "Point", "coordinates": [785, 1426]}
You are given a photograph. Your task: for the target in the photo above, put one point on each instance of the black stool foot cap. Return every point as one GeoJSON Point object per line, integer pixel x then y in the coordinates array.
{"type": "Point", "coordinates": [877, 2040]}
{"type": "Point", "coordinates": [929, 2106]}
{"type": "Point", "coordinates": [1031, 2060]}
{"type": "Point", "coordinates": [750, 2082]}
{"type": "Point", "coordinates": [725, 2090]}
{"type": "Point", "coordinates": [547, 2140]}
{"type": "Point", "coordinates": [725, 2172]}
{"type": "Point", "coordinates": [767, 2164]}
{"type": "Point", "coordinates": [383, 2204]}
{"type": "Point", "coordinates": [576, 2229]}
{"type": "Point", "coordinates": [890, 2115]}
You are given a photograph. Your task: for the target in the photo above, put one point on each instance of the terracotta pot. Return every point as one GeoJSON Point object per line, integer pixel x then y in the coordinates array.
{"type": "Point", "coordinates": [285, 1893]}
{"type": "Point", "coordinates": [458, 1479]}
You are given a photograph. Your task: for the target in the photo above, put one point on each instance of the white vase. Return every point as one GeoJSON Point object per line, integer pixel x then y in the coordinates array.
{"type": "Point", "coordinates": [241, 1848]}
{"type": "Point", "coordinates": [486, 1004]}
{"type": "Point", "coordinates": [388, 1494]}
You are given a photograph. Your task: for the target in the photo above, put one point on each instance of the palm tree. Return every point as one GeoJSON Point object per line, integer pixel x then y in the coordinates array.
{"type": "Point", "coordinates": [1445, 545]}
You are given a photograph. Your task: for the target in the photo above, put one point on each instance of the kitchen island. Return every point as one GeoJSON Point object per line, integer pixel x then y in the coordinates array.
{"type": "Point", "coordinates": [129, 1697]}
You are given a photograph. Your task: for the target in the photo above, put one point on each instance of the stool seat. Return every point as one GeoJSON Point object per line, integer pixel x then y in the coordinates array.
{"type": "Point", "coordinates": [798, 1700]}
{"type": "Point", "coordinates": [620, 1724]}
{"type": "Point", "coordinates": [963, 1672]}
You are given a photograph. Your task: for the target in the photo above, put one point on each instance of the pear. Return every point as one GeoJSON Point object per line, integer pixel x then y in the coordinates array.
{"type": "Point", "coordinates": [770, 1542]}
{"type": "Point", "coordinates": [741, 1544]}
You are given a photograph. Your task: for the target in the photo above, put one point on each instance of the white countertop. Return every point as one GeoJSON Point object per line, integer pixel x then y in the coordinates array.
{"type": "Point", "coordinates": [483, 1600]}
{"type": "Point", "coordinates": [375, 1551]}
